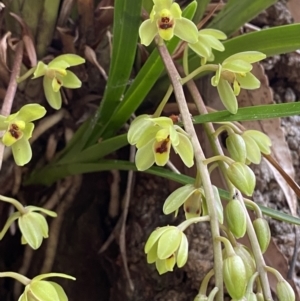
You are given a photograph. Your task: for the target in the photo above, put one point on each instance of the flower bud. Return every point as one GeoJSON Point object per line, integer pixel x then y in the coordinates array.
{"type": "Point", "coordinates": [253, 151]}
{"type": "Point", "coordinates": [236, 147]}
{"type": "Point", "coordinates": [242, 177]}
{"type": "Point", "coordinates": [284, 291]}
{"type": "Point", "coordinates": [262, 140]}
{"type": "Point", "coordinates": [247, 258]}
{"type": "Point", "coordinates": [235, 278]}
{"type": "Point", "coordinates": [236, 218]}
{"type": "Point", "coordinates": [263, 233]}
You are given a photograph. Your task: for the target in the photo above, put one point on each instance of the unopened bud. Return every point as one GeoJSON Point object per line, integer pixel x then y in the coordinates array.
{"type": "Point", "coordinates": [242, 177]}
{"type": "Point", "coordinates": [236, 147]}
{"type": "Point", "coordinates": [236, 218]}
{"type": "Point", "coordinates": [247, 258]}
{"type": "Point", "coordinates": [284, 291]}
{"type": "Point", "coordinates": [263, 233]}
{"type": "Point", "coordinates": [235, 278]}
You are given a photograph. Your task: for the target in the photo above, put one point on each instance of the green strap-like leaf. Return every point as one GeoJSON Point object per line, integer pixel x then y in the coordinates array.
{"type": "Point", "coordinates": [58, 172]}
{"type": "Point", "coordinates": [252, 113]}
{"type": "Point", "coordinates": [236, 13]}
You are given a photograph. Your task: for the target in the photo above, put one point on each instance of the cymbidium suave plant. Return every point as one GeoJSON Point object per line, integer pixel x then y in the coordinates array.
{"type": "Point", "coordinates": [18, 130]}
{"type": "Point", "coordinates": [38, 289]}
{"type": "Point", "coordinates": [32, 224]}
{"type": "Point", "coordinates": [153, 137]}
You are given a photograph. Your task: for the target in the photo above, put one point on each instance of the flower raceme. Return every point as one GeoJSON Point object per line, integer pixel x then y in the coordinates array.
{"type": "Point", "coordinates": [154, 137]}
{"type": "Point", "coordinates": [234, 74]}
{"type": "Point", "coordinates": [166, 21]}
{"type": "Point", "coordinates": [18, 130]}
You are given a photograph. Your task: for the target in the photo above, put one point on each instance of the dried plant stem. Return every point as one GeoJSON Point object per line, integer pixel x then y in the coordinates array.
{"type": "Point", "coordinates": [11, 89]}
{"type": "Point", "coordinates": [217, 149]}
{"type": "Point", "coordinates": [201, 167]}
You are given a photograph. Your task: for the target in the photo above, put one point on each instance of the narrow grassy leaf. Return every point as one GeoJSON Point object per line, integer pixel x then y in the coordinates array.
{"type": "Point", "coordinates": [236, 13]}
{"type": "Point", "coordinates": [57, 172]}
{"type": "Point", "coordinates": [252, 113]}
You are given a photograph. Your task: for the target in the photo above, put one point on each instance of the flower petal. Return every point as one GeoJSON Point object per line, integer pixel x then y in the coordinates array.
{"type": "Point", "coordinates": [45, 211]}
{"type": "Point", "coordinates": [227, 96]}
{"type": "Point", "coordinates": [152, 254]}
{"type": "Point", "coordinates": [30, 112]}
{"type": "Point", "coordinates": [161, 152]}
{"type": "Point", "coordinates": [162, 4]}
{"type": "Point", "coordinates": [22, 152]}
{"type": "Point", "coordinates": [40, 70]}
{"type": "Point", "coordinates": [27, 132]}
{"type": "Point", "coordinates": [137, 128]}
{"type": "Point", "coordinates": [60, 292]}
{"type": "Point", "coordinates": [247, 56]}
{"type": "Point", "coordinates": [161, 266]}
{"type": "Point", "coordinates": [153, 238]}
{"type": "Point", "coordinates": [177, 198]}
{"type": "Point", "coordinates": [220, 35]}
{"type": "Point", "coordinates": [185, 150]}
{"type": "Point", "coordinates": [144, 157]}
{"type": "Point", "coordinates": [43, 290]}
{"type": "Point", "coordinates": [30, 226]}
{"type": "Point", "coordinates": [8, 139]}
{"type": "Point", "coordinates": [182, 254]}
{"type": "Point", "coordinates": [186, 30]}
{"type": "Point", "coordinates": [249, 81]}
{"type": "Point", "coordinates": [66, 60]}
{"type": "Point", "coordinates": [71, 81]}
{"type": "Point", "coordinates": [201, 49]}
{"type": "Point", "coordinates": [175, 10]}
{"type": "Point", "coordinates": [3, 124]}
{"type": "Point", "coordinates": [212, 42]}
{"type": "Point", "coordinates": [53, 98]}
{"type": "Point", "coordinates": [168, 243]}
{"type": "Point", "coordinates": [147, 32]}
{"type": "Point", "coordinates": [237, 66]}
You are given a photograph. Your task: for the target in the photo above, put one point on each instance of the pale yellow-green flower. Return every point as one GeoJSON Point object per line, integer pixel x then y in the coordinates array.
{"type": "Point", "coordinates": [165, 247]}
{"type": "Point", "coordinates": [154, 137]}
{"type": "Point", "coordinates": [166, 21]}
{"type": "Point", "coordinates": [189, 196]}
{"type": "Point", "coordinates": [32, 224]}
{"type": "Point", "coordinates": [56, 76]}
{"type": "Point", "coordinates": [18, 130]}
{"type": "Point", "coordinates": [235, 73]}
{"type": "Point", "coordinates": [38, 289]}
{"type": "Point", "coordinates": [208, 39]}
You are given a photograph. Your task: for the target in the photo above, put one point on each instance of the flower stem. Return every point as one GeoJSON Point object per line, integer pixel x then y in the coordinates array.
{"type": "Point", "coordinates": [14, 202]}
{"type": "Point", "coordinates": [199, 157]}
{"type": "Point", "coordinates": [217, 149]}
{"type": "Point", "coordinates": [162, 104]}
{"type": "Point", "coordinates": [24, 280]}
{"type": "Point", "coordinates": [11, 89]}
{"type": "Point", "coordinates": [208, 67]}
